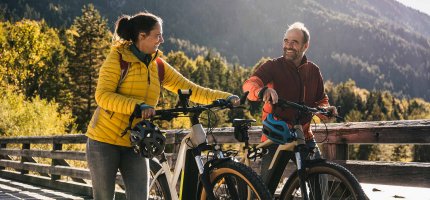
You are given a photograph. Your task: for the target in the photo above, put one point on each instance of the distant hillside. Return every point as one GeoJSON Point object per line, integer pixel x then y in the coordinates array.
{"type": "Point", "coordinates": [379, 44]}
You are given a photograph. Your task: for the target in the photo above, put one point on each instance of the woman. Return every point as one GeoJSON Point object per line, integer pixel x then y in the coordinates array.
{"type": "Point", "coordinates": [136, 42]}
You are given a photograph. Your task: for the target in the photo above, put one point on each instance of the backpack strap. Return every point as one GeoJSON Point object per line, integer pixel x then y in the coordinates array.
{"type": "Point", "coordinates": [160, 66]}
{"type": "Point", "coordinates": [125, 66]}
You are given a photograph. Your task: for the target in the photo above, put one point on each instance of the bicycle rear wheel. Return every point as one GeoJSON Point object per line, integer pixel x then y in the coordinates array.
{"type": "Point", "coordinates": [324, 180]}
{"type": "Point", "coordinates": [233, 180]}
{"type": "Point", "coordinates": [159, 190]}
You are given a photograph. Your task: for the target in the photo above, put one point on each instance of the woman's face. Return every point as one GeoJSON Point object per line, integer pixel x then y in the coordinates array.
{"type": "Point", "coordinates": [148, 43]}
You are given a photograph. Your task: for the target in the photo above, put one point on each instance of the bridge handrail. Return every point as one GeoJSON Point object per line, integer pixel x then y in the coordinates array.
{"type": "Point", "coordinates": [20, 163]}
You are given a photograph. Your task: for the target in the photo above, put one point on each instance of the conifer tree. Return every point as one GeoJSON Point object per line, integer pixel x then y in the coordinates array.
{"type": "Point", "coordinates": [91, 45]}
{"type": "Point", "coordinates": [201, 74]}
{"type": "Point", "coordinates": [181, 62]}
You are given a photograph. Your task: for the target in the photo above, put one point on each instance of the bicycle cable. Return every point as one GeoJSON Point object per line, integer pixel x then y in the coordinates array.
{"type": "Point", "coordinates": [315, 128]}
{"type": "Point", "coordinates": [210, 126]}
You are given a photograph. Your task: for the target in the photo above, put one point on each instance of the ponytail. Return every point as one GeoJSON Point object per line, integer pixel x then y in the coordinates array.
{"type": "Point", "coordinates": [122, 27]}
{"type": "Point", "coordinates": [128, 28]}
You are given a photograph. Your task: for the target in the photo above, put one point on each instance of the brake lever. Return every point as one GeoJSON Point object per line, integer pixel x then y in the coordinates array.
{"type": "Point", "coordinates": [243, 97]}
{"type": "Point", "coordinates": [330, 114]}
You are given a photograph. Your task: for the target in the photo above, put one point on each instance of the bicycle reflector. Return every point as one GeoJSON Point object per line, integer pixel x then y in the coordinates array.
{"type": "Point", "coordinates": [277, 130]}
{"type": "Point", "coordinates": [147, 139]}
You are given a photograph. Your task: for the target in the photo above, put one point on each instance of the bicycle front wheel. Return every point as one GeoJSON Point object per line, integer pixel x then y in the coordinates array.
{"type": "Point", "coordinates": [159, 188]}
{"type": "Point", "coordinates": [324, 180]}
{"type": "Point", "coordinates": [233, 180]}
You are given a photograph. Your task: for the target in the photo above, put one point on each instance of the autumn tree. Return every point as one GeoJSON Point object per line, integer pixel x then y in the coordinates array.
{"type": "Point", "coordinates": [33, 59]}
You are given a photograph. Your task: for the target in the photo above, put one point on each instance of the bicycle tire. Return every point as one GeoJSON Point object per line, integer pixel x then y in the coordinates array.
{"type": "Point", "coordinates": [241, 177]}
{"type": "Point", "coordinates": [339, 182]}
{"type": "Point", "coordinates": [160, 188]}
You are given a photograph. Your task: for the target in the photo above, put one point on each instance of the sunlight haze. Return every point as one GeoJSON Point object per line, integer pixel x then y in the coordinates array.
{"type": "Point", "coordinates": [421, 5]}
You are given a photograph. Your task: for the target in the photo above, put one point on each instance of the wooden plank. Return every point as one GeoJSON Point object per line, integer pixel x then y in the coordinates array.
{"type": "Point", "coordinates": [82, 189]}
{"type": "Point", "coordinates": [388, 132]}
{"type": "Point", "coordinates": [75, 188]}
{"type": "Point", "coordinates": [63, 139]}
{"type": "Point", "coordinates": [67, 155]}
{"type": "Point", "coordinates": [350, 132]}
{"type": "Point", "coordinates": [43, 168]}
{"type": "Point", "coordinates": [389, 173]}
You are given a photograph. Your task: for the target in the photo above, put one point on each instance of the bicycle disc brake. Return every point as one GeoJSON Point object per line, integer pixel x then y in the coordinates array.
{"type": "Point", "coordinates": [254, 153]}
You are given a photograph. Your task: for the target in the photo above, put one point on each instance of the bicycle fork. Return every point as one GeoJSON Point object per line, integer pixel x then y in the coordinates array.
{"type": "Point", "coordinates": [301, 170]}
{"type": "Point", "coordinates": [199, 141]}
{"type": "Point", "coordinates": [300, 152]}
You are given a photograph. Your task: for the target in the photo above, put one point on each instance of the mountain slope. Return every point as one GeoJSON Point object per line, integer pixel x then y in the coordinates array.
{"type": "Point", "coordinates": [379, 44]}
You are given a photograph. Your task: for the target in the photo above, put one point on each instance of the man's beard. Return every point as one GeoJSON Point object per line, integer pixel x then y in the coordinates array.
{"type": "Point", "coordinates": [292, 56]}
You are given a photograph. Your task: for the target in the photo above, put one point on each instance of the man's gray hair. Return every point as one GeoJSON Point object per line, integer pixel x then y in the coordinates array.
{"type": "Point", "coordinates": [300, 26]}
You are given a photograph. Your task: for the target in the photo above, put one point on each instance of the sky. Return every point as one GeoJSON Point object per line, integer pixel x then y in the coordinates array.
{"type": "Point", "coordinates": [421, 5]}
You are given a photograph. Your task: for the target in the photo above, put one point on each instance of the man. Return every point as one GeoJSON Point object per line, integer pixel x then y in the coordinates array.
{"type": "Point", "coordinates": [291, 77]}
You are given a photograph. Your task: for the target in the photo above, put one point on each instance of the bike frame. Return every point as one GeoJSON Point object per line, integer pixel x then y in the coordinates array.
{"type": "Point", "coordinates": [196, 137]}
{"type": "Point", "coordinates": [277, 165]}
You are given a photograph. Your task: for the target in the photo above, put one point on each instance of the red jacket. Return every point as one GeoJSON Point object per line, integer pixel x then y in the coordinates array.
{"type": "Point", "coordinates": [302, 84]}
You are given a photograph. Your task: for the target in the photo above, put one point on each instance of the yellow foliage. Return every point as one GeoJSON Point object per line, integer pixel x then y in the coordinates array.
{"type": "Point", "coordinates": [33, 117]}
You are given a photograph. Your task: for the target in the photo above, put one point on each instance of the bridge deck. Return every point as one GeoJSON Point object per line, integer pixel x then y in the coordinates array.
{"type": "Point", "coordinates": [13, 190]}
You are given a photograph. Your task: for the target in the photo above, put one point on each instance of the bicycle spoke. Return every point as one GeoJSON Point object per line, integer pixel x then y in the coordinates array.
{"type": "Point", "coordinates": [320, 188]}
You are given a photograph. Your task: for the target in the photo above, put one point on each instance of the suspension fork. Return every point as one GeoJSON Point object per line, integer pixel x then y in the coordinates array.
{"type": "Point", "coordinates": [203, 169]}
{"type": "Point", "coordinates": [300, 154]}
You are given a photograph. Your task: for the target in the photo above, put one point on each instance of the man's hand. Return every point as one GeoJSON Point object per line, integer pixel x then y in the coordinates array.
{"type": "Point", "coordinates": [269, 95]}
{"type": "Point", "coordinates": [330, 109]}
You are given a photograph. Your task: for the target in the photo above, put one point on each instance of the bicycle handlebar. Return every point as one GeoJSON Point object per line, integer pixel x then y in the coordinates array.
{"type": "Point", "coordinates": [168, 114]}
{"type": "Point", "coordinates": [303, 108]}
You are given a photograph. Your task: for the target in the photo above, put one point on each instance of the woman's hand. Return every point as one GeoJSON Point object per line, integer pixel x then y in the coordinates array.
{"type": "Point", "coordinates": [144, 111]}
{"type": "Point", "coordinates": [148, 113]}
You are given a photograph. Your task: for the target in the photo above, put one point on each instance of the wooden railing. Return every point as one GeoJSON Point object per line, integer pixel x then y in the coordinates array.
{"type": "Point", "coordinates": [18, 158]}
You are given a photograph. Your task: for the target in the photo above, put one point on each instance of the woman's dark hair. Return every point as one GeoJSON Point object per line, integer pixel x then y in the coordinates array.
{"type": "Point", "coordinates": [128, 28]}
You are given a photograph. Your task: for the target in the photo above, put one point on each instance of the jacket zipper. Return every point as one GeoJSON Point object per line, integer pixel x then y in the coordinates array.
{"type": "Point", "coordinates": [301, 97]}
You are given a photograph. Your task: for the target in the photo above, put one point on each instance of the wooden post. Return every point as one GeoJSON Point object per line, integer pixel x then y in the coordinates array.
{"type": "Point", "coordinates": [56, 147]}
{"type": "Point", "coordinates": [335, 151]}
{"type": "Point", "coordinates": [23, 158]}
{"type": "Point", "coordinates": [3, 146]}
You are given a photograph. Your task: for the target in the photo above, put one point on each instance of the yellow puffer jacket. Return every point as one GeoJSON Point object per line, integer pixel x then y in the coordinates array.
{"type": "Point", "coordinates": [141, 84]}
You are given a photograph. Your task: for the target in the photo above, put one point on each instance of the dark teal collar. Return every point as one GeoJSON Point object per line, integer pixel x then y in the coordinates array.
{"type": "Point", "coordinates": [145, 58]}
